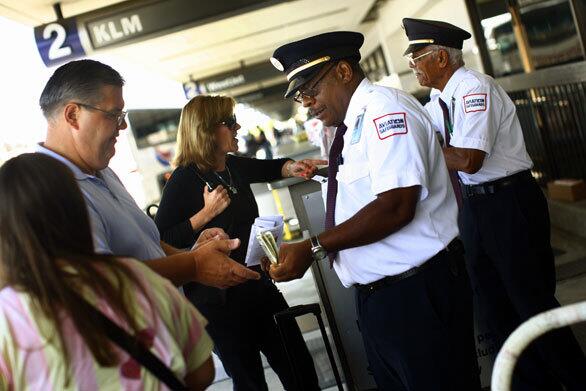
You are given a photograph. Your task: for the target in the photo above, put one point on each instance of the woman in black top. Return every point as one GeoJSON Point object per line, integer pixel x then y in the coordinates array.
{"type": "Point", "coordinates": [211, 188]}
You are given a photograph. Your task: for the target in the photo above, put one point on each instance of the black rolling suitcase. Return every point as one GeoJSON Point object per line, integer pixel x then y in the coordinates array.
{"type": "Point", "coordinates": [292, 313]}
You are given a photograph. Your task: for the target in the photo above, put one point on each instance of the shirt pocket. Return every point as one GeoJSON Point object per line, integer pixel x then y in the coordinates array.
{"type": "Point", "coordinates": [352, 172]}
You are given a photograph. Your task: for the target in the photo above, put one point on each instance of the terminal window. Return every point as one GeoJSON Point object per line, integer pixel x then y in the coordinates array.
{"type": "Point", "coordinates": [551, 34]}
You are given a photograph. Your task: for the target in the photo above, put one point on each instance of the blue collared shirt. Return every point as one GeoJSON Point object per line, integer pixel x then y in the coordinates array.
{"type": "Point", "coordinates": [119, 226]}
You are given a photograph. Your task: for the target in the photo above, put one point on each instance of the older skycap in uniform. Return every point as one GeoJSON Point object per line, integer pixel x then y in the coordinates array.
{"type": "Point", "coordinates": [302, 60]}
{"type": "Point", "coordinates": [423, 32]}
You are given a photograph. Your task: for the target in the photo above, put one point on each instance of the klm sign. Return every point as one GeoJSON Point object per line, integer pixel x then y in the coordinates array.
{"type": "Point", "coordinates": [105, 33]}
{"type": "Point", "coordinates": [131, 21]}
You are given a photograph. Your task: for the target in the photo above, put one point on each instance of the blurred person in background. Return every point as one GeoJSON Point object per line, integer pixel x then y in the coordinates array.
{"type": "Point", "coordinates": [263, 143]}
{"type": "Point", "coordinates": [51, 277]}
{"type": "Point", "coordinates": [211, 188]}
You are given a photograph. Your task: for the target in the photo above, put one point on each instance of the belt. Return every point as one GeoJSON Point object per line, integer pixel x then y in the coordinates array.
{"type": "Point", "coordinates": [494, 186]}
{"type": "Point", "coordinates": [455, 246]}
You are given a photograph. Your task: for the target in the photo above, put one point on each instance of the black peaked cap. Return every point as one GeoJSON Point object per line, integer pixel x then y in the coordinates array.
{"type": "Point", "coordinates": [301, 60]}
{"type": "Point", "coordinates": [423, 32]}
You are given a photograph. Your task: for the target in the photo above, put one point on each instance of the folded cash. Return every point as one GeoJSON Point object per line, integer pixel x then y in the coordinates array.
{"type": "Point", "coordinates": [269, 245]}
{"type": "Point", "coordinates": [254, 251]}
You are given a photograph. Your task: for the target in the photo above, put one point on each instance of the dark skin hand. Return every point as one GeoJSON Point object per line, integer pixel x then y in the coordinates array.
{"type": "Point", "coordinates": [265, 264]}
{"type": "Point", "coordinates": [464, 159]}
{"type": "Point", "coordinates": [294, 260]}
{"type": "Point", "coordinates": [365, 227]}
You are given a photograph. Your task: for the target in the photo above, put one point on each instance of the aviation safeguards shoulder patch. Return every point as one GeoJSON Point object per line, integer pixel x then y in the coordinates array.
{"type": "Point", "coordinates": [391, 124]}
{"type": "Point", "coordinates": [474, 102]}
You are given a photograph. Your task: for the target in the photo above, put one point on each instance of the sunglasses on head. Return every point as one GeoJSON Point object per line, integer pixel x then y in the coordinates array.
{"type": "Point", "coordinates": [230, 122]}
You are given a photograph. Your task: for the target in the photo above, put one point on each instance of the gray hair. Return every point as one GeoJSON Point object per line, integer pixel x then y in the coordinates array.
{"type": "Point", "coordinates": [80, 81]}
{"type": "Point", "coordinates": [455, 55]}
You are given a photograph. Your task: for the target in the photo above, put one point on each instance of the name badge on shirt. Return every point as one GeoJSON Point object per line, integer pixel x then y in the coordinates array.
{"type": "Point", "coordinates": [357, 132]}
{"type": "Point", "coordinates": [474, 102]}
{"type": "Point", "coordinates": [391, 124]}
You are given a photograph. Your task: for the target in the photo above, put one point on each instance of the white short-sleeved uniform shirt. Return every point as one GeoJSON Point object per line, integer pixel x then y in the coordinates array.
{"type": "Point", "coordinates": [390, 143]}
{"type": "Point", "coordinates": [483, 118]}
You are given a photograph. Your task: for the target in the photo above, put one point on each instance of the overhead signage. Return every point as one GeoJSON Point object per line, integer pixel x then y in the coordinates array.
{"type": "Point", "coordinates": [110, 31]}
{"type": "Point", "coordinates": [273, 93]}
{"type": "Point", "coordinates": [228, 80]}
{"type": "Point", "coordinates": [58, 42]}
{"type": "Point", "coordinates": [129, 22]}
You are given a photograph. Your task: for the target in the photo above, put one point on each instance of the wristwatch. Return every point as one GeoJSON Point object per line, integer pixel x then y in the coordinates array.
{"type": "Point", "coordinates": [317, 251]}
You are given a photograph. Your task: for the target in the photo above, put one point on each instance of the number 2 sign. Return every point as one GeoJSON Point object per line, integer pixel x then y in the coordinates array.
{"type": "Point", "coordinates": [58, 42]}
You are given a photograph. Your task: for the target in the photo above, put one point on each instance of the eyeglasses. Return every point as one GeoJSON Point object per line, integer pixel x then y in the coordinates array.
{"type": "Point", "coordinates": [312, 91]}
{"type": "Point", "coordinates": [230, 122]}
{"type": "Point", "coordinates": [118, 116]}
{"type": "Point", "coordinates": [412, 59]}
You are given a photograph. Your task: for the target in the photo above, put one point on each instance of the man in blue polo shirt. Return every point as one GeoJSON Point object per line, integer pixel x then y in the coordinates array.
{"type": "Point", "coordinates": [83, 104]}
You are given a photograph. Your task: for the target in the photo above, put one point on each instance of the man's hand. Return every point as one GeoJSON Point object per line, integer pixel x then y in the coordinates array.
{"type": "Point", "coordinates": [294, 260]}
{"type": "Point", "coordinates": [305, 168]}
{"type": "Point", "coordinates": [209, 234]}
{"type": "Point", "coordinates": [215, 268]}
{"type": "Point", "coordinates": [466, 160]}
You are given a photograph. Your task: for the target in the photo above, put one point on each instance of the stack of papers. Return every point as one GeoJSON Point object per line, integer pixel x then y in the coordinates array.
{"type": "Point", "coordinates": [263, 226]}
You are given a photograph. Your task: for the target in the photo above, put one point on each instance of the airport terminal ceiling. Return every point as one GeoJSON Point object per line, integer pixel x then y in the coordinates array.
{"type": "Point", "coordinates": [225, 38]}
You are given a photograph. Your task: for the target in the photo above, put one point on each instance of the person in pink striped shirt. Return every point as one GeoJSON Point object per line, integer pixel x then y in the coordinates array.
{"type": "Point", "coordinates": [48, 267]}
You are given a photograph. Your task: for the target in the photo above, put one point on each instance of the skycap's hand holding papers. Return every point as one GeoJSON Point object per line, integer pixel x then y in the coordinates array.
{"type": "Point", "coordinates": [294, 260]}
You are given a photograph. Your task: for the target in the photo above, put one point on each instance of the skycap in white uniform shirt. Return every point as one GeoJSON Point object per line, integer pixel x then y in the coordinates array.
{"type": "Point", "coordinates": [390, 143]}
{"type": "Point", "coordinates": [480, 110]}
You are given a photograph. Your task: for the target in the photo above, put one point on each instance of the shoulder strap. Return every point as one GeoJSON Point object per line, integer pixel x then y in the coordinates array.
{"type": "Point", "coordinates": [201, 176]}
{"type": "Point", "coordinates": [137, 350]}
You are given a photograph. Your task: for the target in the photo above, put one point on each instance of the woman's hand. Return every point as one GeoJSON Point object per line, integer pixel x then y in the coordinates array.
{"type": "Point", "coordinates": [215, 201]}
{"type": "Point", "coordinates": [305, 168]}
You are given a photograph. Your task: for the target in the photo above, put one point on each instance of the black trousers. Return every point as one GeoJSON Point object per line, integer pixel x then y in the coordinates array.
{"type": "Point", "coordinates": [419, 332]}
{"type": "Point", "coordinates": [244, 326]}
{"type": "Point", "coordinates": [511, 266]}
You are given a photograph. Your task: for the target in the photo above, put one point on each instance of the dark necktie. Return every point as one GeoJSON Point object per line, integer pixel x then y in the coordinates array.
{"type": "Point", "coordinates": [453, 173]}
{"type": "Point", "coordinates": [333, 163]}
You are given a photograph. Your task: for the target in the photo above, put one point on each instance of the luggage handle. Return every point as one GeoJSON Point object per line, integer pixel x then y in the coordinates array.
{"type": "Point", "coordinates": [303, 309]}
{"type": "Point", "coordinates": [299, 310]}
